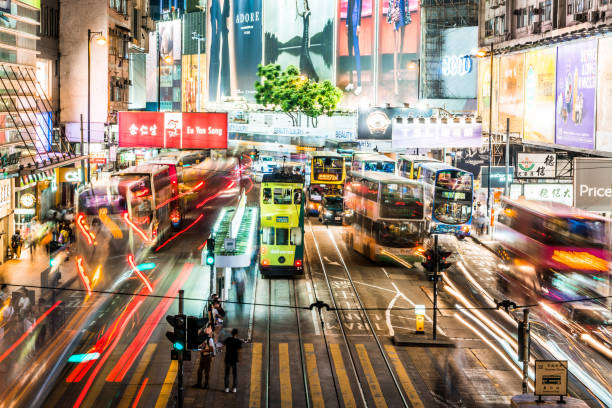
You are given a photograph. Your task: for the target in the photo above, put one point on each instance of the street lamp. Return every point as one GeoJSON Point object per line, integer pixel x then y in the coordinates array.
{"type": "Point", "coordinates": [199, 38]}
{"type": "Point", "coordinates": [100, 40]}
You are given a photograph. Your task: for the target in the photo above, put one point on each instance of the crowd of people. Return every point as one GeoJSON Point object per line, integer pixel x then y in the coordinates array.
{"type": "Point", "coordinates": [51, 235]}
{"type": "Point", "coordinates": [211, 346]}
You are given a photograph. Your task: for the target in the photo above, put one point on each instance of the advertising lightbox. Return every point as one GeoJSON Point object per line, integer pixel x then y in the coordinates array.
{"type": "Point", "coordinates": [511, 81]}
{"type": "Point", "coordinates": [604, 96]}
{"type": "Point", "coordinates": [450, 135]}
{"type": "Point", "coordinates": [536, 165]}
{"type": "Point", "coordinates": [593, 184]}
{"type": "Point", "coordinates": [540, 96]}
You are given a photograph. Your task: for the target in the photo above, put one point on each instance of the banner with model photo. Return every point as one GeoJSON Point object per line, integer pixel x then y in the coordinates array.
{"type": "Point", "coordinates": [511, 82]}
{"type": "Point", "coordinates": [170, 65]}
{"type": "Point", "coordinates": [576, 84]}
{"type": "Point", "coordinates": [540, 69]}
{"type": "Point", "coordinates": [192, 70]}
{"type": "Point", "coordinates": [604, 95]}
{"type": "Point", "coordinates": [355, 74]}
{"type": "Point", "coordinates": [484, 93]}
{"type": "Point", "coordinates": [234, 47]}
{"type": "Point", "coordinates": [399, 35]}
{"type": "Point", "coordinates": [300, 33]}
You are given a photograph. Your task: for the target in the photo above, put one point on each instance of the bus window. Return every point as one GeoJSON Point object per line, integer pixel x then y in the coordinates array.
{"type": "Point", "coordinates": [282, 236]}
{"type": "Point", "coordinates": [267, 195]}
{"type": "Point", "coordinates": [296, 236]}
{"type": "Point", "coordinates": [297, 196]}
{"type": "Point", "coordinates": [282, 196]}
{"type": "Point", "coordinates": [267, 236]}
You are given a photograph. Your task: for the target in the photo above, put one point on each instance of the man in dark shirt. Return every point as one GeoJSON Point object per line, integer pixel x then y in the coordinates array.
{"type": "Point", "coordinates": [232, 346]}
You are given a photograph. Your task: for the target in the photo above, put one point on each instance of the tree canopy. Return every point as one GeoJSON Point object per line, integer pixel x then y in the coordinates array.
{"type": "Point", "coordinates": [293, 93]}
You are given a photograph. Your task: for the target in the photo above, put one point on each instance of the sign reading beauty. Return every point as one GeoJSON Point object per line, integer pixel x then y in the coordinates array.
{"type": "Point", "coordinates": [201, 130]}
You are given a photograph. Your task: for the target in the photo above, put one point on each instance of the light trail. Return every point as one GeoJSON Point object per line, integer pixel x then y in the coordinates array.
{"type": "Point", "coordinates": [217, 194]}
{"type": "Point", "coordinates": [181, 195]}
{"type": "Point", "coordinates": [139, 273]}
{"type": "Point", "coordinates": [83, 275]}
{"type": "Point", "coordinates": [180, 232]}
{"type": "Point", "coordinates": [134, 227]}
{"type": "Point", "coordinates": [89, 236]}
{"type": "Point", "coordinates": [110, 224]}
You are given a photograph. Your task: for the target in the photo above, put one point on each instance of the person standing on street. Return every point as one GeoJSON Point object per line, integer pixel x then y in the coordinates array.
{"type": "Point", "coordinates": [207, 353]}
{"type": "Point", "coordinates": [232, 346]}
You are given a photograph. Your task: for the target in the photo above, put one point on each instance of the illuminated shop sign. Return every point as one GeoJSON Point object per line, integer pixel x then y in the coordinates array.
{"type": "Point", "coordinates": [455, 65]}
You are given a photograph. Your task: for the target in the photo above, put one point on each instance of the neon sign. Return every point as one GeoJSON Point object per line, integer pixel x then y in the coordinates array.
{"type": "Point", "coordinates": [327, 177]}
{"type": "Point", "coordinates": [455, 65]}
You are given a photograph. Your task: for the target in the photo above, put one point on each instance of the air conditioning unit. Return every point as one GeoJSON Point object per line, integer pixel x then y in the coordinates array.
{"type": "Point", "coordinates": [534, 28]}
{"type": "Point", "coordinates": [593, 16]}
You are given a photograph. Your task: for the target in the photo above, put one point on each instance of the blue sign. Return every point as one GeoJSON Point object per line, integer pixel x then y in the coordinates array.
{"type": "Point", "coordinates": [44, 127]}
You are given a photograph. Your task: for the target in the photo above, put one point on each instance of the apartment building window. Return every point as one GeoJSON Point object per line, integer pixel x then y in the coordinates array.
{"type": "Point", "coordinates": [545, 10]}
{"type": "Point", "coordinates": [500, 25]}
{"type": "Point", "coordinates": [49, 22]}
{"type": "Point", "coordinates": [120, 6]}
{"type": "Point", "coordinates": [521, 18]}
{"type": "Point", "coordinates": [530, 15]}
{"type": "Point", "coordinates": [489, 27]}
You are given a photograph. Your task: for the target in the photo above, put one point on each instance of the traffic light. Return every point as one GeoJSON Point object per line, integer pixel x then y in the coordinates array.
{"type": "Point", "coordinates": [194, 338]}
{"type": "Point", "coordinates": [210, 251]}
{"type": "Point", "coordinates": [179, 336]}
{"type": "Point", "coordinates": [442, 256]}
{"type": "Point", "coordinates": [429, 263]}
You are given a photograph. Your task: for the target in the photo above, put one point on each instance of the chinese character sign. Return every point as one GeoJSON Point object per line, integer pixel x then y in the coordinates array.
{"type": "Point", "coordinates": [439, 135]}
{"type": "Point", "coordinates": [206, 130]}
{"type": "Point", "coordinates": [536, 165]}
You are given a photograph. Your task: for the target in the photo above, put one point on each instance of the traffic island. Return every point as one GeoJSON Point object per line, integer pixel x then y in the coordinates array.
{"type": "Point", "coordinates": [422, 340]}
{"type": "Point", "coordinates": [531, 401]}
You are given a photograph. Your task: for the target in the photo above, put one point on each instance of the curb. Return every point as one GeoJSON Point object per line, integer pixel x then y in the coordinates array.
{"type": "Point", "coordinates": [478, 241]}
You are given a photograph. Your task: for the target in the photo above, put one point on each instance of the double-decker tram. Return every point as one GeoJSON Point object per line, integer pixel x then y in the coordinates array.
{"type": "Point", "coordinates": [346, 148]}
{"type": "Point", "coordinates": [281, 224]}
{"type": "Point", "coordinates": [385, 216]}
{"type": "Point", "coordinates": [373, 162]}
{"type": "Point", "coordinates": [449, 196]}
{"type": "Point", "coordinates": [408, 165]}
{"type": "Point", "coordinates": [327, 176]}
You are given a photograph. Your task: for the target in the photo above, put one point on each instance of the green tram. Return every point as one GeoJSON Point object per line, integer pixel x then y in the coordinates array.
{"type": "Point", "coordinates": [281, 224]}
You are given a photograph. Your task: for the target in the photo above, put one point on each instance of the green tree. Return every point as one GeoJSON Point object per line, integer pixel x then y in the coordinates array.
{"type": "Point", "coordinates": [293, 93]}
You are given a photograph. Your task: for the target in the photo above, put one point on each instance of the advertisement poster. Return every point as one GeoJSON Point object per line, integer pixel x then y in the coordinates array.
{"type": "Point", "coordinates": [511, 78]}
{"type": "Point", "coordinates": [472, 159]}
{"type": "Point", "coordinates": [484, 90]}
{"type": "Point", "coordinates": [151, 73]}
{"type": "Point", "coordinates": [203, 130]}
{"type": "Point", "coordinates": [170, 65]}
{"type": "Point", "coordinates": [604, 96]}
{"type": "Point", "coordinates": [301, 33]}
{"type": "Point", "coordinates": [217, 41]}
{"type": "Point", "coordinates": [540, 96]}
{"type": "Point", "coordinates": [451, 135]}
{"type": "Point", "coordinates": [247, 23]}
{"type": "Point", "coordinates": [592, 189]}
{"type": "Point", "coordinates": [377, 123]}
{"type": "Point", "coordinates": [576, 84]}
{"type": "Point", "coordinates": [44, 126]}
{"type": "Point", "coordinates": [355, 73]}
{"type": "Point", "coordinates": [458, 67]}
{"type": "Point", "coordinates": [398, 51]}
{"type": "Point", "coordinates": [190, 69]}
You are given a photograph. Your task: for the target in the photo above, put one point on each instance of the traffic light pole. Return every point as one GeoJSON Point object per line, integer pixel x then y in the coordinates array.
{"type": "Point", "coordinates": [180, 356]}
{"type": "Point", "coordinates": [435, 286]}
{"type": "Point", "coordinates": [526, 350]}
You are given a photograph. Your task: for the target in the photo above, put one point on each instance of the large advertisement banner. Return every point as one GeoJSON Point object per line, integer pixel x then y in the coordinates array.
{"type": "Point", "coordinates": [511, 81]}
{"type": "Point", "coordinates": [604, 95]}
{"type": "Point", "coordinates": [484, 92]}
{"type": "Point", "coordinates": [378, 123]}
{"type": "Point", "coordinates": [592, 189]}
{"type": "Point", "coordinates": [576, 84]}
{"type": "Point", "coordinates": [301, 33]}
{"type": "Point", "coordinates": [192, 70]}
{"type": "Point", "coordinates": [174, 130]}
{"type": "Point", "coordinates": [398, 50]}
{"type": "Point", "coordinates": [234, 47]}
{"type": "Point", "coordinates": [451, 135]}
{"type": "Point", "coordinates": [540, 96]}
{"type": "Point", "coordinates": [458, 67]}
{"type": "Point", "coordinates": [170, 65]}
{"type": "Point", "coordinates": [355, 65]}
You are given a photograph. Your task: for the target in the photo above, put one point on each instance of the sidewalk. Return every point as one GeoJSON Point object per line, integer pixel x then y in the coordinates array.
{"type": "Point", "coordinates": [486, 241]}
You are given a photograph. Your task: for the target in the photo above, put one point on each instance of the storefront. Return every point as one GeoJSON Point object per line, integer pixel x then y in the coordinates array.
{"type": "Point", "coordinates": [6, 210]}
{"type": "Point", "coordinates": [68, 178]}
{"type": "Point", "coordinates": [34, 197]}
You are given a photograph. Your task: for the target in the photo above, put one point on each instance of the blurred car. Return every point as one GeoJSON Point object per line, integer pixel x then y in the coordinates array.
{"type": "Point", "coordinates": [331, 209]}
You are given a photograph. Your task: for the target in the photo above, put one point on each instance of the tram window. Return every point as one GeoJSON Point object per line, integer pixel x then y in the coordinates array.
{"type": "Point", "coordinates": [267, 195]}
{"type": "Point", "coordinates": [296, 236]}
{"type": "Point", "coordinates": [267, 236]}
{"type": "Point", "coordinates": [282, 236]}
{"type": "Point", "coordinates": [297, 196]}
{"type": "Point", "coordinates": [282, 196]}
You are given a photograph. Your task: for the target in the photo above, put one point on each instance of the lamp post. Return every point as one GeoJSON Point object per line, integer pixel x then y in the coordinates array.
{"type": "Point", "coordinates": [199, 38]}
{"type": "Point", "coordinates": [100, 40]}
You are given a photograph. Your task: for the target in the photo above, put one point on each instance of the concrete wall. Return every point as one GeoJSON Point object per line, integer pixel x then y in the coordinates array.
{"type": "Point", "coordinates": [76, 17]}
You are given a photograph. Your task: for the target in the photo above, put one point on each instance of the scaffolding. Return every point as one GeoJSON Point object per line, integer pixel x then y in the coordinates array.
{"type": "Point", "coordinates": [436, 16]}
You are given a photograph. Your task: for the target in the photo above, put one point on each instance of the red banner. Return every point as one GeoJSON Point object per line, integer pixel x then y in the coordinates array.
{"type": "Point", "coordinates": [175, 130]}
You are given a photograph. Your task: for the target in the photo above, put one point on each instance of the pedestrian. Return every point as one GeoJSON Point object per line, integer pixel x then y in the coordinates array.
{"type": "Point", "coordinates": [28, 322]}
{"type": "Point", "coordinates": [207, 352]}
{"type": "Point", "coordinates": [16, 242]}
{"type": "Point", "coordinates": [232, 346]}
{"type": "Point", "coordinates": [24, 303]}
{"type": "Point", "coordinates": [217, 321]}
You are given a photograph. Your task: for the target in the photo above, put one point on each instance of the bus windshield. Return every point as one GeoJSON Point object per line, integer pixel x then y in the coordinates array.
{"type": "Point", "coordinates": [453, 197]}
{"type": "Point", "coordinates": [401, 201]}
{"type": "Point", "coordinates": [91, 201]}
{"type": "Point", "coordinates": [385, 167]}
{"type": "Point", "coordinates": [327, 168]}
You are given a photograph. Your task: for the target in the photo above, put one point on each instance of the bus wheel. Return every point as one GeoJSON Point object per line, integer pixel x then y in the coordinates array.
{"type": "Point", "coordinates": [460, 237]}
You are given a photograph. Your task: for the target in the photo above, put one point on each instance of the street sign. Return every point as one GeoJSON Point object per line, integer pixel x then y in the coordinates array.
{"type": "Point", "coordinates": [550, 377]}
{"type": "Point", "coordinates": [536, 165]}
{"type": "Point", "coordinates": [229, 244]}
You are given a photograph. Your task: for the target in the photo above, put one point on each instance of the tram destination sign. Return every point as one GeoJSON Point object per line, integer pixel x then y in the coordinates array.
{"type": "Point", "coordinates": [551, 378]}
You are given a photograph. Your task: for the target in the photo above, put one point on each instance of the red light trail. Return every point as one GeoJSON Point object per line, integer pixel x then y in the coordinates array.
{"type": "Point", "coordinates": [195, 188]}
{"type": "Point", "coordinates": [89, 236]}
{"type": "Point", "coordinates": [142, 387]}
{"type": "Point", "coordinates": [207, 199]}
{"type": "Point", "coordinates": [180, 232]}
{"type": "Point", "coordinates": [134, 227]}
{"type": "Point", "coordinates": [82, 275]}
{"type": "Point", "coordinates": [139, 273]}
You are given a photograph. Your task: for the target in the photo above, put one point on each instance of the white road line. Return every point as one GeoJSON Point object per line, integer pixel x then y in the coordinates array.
{"type": "Point", "coordinates": [388, 314]}
{"type": "Point", "coordinates": [313, 312]}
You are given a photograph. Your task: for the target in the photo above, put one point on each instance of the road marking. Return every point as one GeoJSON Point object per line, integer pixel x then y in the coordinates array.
{"type": "Point", "coordinates": [313, 312]}
{"type": "Point", "coordinates": [345, 385]}
{"type": "Point", "coordinates": [368, 370]}
{"type": "Point", "coordinates": [135, 380]}
{"type": "Point", "coordinates": [285, 375]}
{"type": "Point", "coordinates": [388, 314]}
{"type": "Point", "coordinates": [164, 394]}
{"type": "Point", "coordinates": [313, 376]}
{"type": "Point", "coordinates": [140, 391]}
{"type": "Point", "coordinates": [411, 393]}
{"type": "Point", "coordinates": [255, 394]}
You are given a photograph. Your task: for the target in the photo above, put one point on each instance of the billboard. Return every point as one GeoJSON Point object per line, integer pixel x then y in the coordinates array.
{"type": "Point", "coordinates": [355, 42]}
{"type": "Point", "coordinates": [448, 135]}
{"type": "Point", "coordinates": [472, 159]}
{"type": "Point", "coordinates": [576, 84]}
{"type": "Point", "coordinates": [593, 184]}
{"type": "Point", "coordinates": [399, 35]}
{"type": "Point", "coordinates": [173, 130]}
{"type": "Point", "coordinates": [234, 47]}
{"type": "Point", "coordinates": [151, 78]}
{"type": "Point", "coordinates": [536, 165]}
{"type": "Point", "coordinates": [484, 97]}
{"type": "Point", "coordinates": [558, 193]}
{"type": "Point", "coordinates": [603, 139]}
{"type": "Point", "coordinates": [540, 84]}
{"type": "Point", "coordinates": [511, 82]}
{"type": "Point", "coordinates": [170, 65]}
{"type": "Point", "coordinates": [458, 68]}
{"type": "Point", "coordinates": [301, 33]}
{"type": "Point", "coordinates": [377, 123]}
{"type": "Point", "coordinates": [190, 69]}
